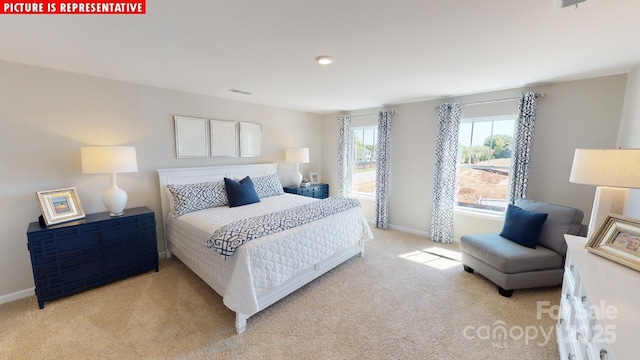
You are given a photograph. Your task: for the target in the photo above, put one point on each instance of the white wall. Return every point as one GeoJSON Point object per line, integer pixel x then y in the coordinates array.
{"type": "Point", "coordinates": [48, 115]}
{"type": "Point", "coordinates": [573, 115]}
{"type": "Point", "coordinates": [629, 131]}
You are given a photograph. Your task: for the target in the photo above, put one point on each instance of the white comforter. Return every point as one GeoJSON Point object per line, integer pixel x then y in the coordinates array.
{"type": "Point", "coordinates": [262, 264]}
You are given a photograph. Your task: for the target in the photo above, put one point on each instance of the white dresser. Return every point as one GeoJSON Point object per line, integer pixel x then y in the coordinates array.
{"type": "Point", "coordinates": [599, 315]}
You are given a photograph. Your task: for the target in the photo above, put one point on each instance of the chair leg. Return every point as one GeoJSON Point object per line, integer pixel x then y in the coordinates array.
{"type": "Point", "coordinates": [505, 293]}
{"type": "Point", "coordinates": [467, 269]}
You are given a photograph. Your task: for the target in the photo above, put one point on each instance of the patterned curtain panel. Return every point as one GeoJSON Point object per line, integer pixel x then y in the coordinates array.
{"type": "Point", "coordinates": [383, 161]}
{"type": "Point", "coordinates": [521, 160]}
{"type": "Point", "coordinates": [344, 156]}
{"type": "Point", "coordinates": [444, 178]}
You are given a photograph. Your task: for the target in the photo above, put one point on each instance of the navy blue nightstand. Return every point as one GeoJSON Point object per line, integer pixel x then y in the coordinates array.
{"type": "Point", "coordinates": [318, 191]}
{"type": "Point", "coordinates": [78, 255]}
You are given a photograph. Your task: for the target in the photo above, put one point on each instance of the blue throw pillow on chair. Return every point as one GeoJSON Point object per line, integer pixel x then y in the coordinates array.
{"type": "Point", "coordinates": [241, 192]}
{"type": "Point", "coordinates": [522, 226]}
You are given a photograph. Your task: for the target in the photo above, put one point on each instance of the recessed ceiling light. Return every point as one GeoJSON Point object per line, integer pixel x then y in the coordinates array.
{"type": "Point", "coordinates": [324, 60]}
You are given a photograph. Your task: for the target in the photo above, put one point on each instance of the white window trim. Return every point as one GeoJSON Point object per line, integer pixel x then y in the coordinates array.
{"type": "Point", "coordinates": [364, 196]}
{"type": "Point", "coordinates": [479, 213]}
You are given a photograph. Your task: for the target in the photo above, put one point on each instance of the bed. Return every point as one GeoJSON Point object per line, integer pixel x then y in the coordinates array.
{"type": "Point", "coordinates": [266, 269]}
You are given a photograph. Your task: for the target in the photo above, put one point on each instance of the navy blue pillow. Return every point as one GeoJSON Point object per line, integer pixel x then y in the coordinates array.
{"type": "Point", "coordinates": [241, 192]}
{"type": "Point", "coordinates": [522, 226]}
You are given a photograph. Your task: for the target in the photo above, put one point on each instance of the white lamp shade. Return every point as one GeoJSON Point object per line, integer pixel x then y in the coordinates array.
{"type": "Point", "coordinates": [299, 156]}
{"type": "Point", "coordinates": [108, 159]}
{"type": "Point", "coordinates": [606, 167]}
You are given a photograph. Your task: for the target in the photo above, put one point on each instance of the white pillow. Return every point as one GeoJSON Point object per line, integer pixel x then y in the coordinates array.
{"type": "Point", "coordinates": [193, 197]}
{"type": "Point", "coordinates": [268, 185]}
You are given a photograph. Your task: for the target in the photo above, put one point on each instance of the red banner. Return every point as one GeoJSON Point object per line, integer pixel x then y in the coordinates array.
{"type": "Point", "coordinates": [85, 7]}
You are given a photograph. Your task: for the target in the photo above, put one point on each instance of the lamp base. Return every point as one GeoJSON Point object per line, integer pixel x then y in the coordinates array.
{"type": "Point", "coordinates": [114, 198]}
{"type": "Point", "coordinates": [297, 176]}
{"type": "Point", "coordinates": [607, 200]}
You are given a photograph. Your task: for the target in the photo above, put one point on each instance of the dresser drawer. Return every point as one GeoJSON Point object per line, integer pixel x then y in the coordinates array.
{"type": "Point", "coordinates": [317, 191]}
{"type": "Point", "coordinates": [60, 245]}
{"type": "Point", "coordinates": [69, 277]}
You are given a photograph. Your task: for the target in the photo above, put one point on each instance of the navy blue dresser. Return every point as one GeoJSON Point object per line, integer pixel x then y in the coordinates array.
{"type": "Point", "coordinates": [318, 191]}
{"type": "Point", "coordinates": [78, 255]}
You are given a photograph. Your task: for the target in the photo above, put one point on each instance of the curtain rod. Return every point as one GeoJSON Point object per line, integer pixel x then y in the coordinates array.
{"type": "Point", "coordinates": [539, 96]}
{"type": "Point", "coordinates": [391, 111]}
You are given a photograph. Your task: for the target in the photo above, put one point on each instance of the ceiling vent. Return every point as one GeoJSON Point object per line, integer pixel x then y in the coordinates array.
{"type": "Point", "coordinates": [565, 3]}
{"type": "Point", "coordinates": [243, 92]}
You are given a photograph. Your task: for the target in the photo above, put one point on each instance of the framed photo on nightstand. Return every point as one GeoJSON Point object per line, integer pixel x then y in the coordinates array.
{"type": "Point", "coordinates": [60, 205]}
{"type": "Point", "coordinates": [315, 177]}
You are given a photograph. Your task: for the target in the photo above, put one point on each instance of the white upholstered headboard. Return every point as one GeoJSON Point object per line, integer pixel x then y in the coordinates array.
{"type": "Point", "coordinates": [204, 174]}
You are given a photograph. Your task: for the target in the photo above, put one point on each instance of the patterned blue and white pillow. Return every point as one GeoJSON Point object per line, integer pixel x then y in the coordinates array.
{"type": "Point", "coordinates": [268, 185]}
{"type": "Point", "coordinates": [193, 197]}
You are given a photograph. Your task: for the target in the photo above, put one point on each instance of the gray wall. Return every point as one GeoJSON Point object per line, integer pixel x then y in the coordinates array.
{"type": "Point", "coordinates": [574, 114]}
{"type": "Point", "coordinates": [629, 131]}
{"type": "Point", "coordinates": [48, 115]}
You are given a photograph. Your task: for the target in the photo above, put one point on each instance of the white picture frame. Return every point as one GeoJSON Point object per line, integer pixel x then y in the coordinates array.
{"type": "Point", "coordinates": [314, 177]}
{"type": "Point", "coordinates": [192, 138]}
{"type": "Point", "coordinates": [607, 241]}
{"type": "Point", "coordinates": [250, 139]}
{"type": "Point", "coordinates": [224, 138]}
{"type": "Point", "coordinates": [60, 205]}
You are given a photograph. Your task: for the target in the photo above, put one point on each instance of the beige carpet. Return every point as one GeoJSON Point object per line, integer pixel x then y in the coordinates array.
{"type": "Point", "coordinates": [396, 302]}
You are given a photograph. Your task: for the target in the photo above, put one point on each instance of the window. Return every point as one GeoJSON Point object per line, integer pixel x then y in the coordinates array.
{"type": "Point", "coordinates": [484, 162]}
{"type": "Point", "coordinates": [363, 174]}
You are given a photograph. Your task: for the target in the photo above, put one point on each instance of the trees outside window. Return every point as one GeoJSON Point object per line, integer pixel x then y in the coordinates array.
{"type": "Point", "coordinates": [484, 164]}
{"type": "Point", "coordinates": [363, 174]}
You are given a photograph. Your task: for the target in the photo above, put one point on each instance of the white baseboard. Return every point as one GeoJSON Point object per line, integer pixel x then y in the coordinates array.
{"type": "Point", "coordinates": [409, 230]}
{"type": "Point", "coordinates": [402, 228]}
{"type": "Point", "coordinates": [17, 295]}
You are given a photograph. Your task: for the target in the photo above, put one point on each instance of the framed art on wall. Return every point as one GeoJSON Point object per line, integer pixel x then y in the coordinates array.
{"type": "Point", "coordinates": [192, 138]}
{"type": "Point", "coordinates": [617, 238]}
{"type": "Point", "coordinates": [60, 205]}
{"type": "Point", "coordinates": [224, 138]}
{"type": "Point", "coordinates": [250, 139]}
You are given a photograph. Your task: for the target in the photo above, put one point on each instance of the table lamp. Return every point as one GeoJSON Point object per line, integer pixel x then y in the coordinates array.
{"type": "Point", "coordinates": [614, 172]}
{"type": "Point", "coordinates": [110, 160]}
{"type": "Point", "coordinates": [297, 156]}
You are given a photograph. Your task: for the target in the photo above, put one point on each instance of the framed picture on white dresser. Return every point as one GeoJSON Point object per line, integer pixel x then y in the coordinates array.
{"type": "Point", "coordinates": [617, 238]}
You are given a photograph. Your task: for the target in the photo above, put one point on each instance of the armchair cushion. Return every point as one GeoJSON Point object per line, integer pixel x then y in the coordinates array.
{"type": "Point", "coordinates": [561, 220]}
{"type": "Point", "coordinates": [508, 257]}
{"type": "Point", "coordinates": [522, 226]}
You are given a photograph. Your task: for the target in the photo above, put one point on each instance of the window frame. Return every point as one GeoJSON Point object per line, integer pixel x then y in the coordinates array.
{"type": "Point", "coordinates": [459, 165]}
{"type": "Point", "coordinates": [353, 160]}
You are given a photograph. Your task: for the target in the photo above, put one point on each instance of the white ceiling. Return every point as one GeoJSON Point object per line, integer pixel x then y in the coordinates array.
{"type": "Point", "coordinates": [385, 52]}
